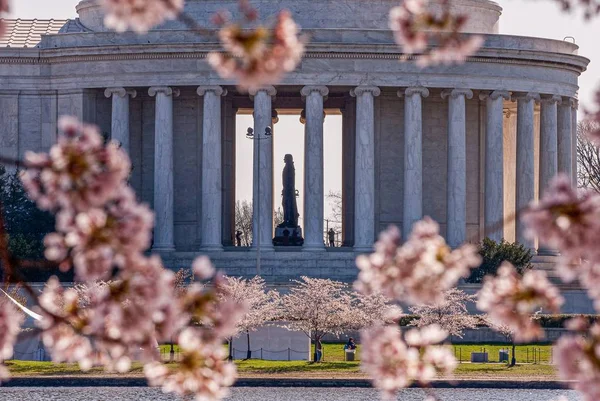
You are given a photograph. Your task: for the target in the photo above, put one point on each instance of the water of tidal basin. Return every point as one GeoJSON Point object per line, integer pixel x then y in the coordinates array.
{"type": "Point", "coordinates": [275, 394]}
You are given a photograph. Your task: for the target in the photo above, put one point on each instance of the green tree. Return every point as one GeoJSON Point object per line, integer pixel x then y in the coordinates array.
{"type": "Point", "coordinates": [25, 225]}
{"type": "Point", "coordinates": [494, 253]}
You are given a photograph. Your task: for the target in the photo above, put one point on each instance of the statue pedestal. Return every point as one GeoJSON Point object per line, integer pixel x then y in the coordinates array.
{"type": "Point", "coordinates": [288, 236]}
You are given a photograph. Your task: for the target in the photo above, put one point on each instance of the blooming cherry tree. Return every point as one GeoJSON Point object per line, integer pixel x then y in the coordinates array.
{"type": "Point", "coordinates": [262, 305]}
{"type": "Point", "coordinates": [451, 314]}
{"type": "Point", "coordinates": [317, 307]}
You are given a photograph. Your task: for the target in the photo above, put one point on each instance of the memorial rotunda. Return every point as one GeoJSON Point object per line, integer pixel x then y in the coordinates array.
{"type": "Point", "coordinates": [466, 144]}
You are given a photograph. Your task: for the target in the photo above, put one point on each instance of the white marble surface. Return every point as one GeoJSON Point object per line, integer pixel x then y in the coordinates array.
{"type": "Point", "coordinates": [263, 169]}
{"type": "Point", "coordinates": [456, 206]}
{"type": "Point", "coordinates": [364, 209]}
{"type": "Point", "coordinates": [413, 157]}
{"type": "Point", "coordinates": [163, 169]}
{"type": "Point", "coordinates": [120, 115]}
{"type": "Point", "coordinates": [212, 187]}
{"type": "Point", "coordinates": [564, 138]}
{"type": "Point", "coordinates": [525, 176]}
{"type": "Point", "coordinates": [314, 194]}
{"type": "Point", "coordinates": [494, 164]}
{"type": "Point", "coordinates": [548, 140]}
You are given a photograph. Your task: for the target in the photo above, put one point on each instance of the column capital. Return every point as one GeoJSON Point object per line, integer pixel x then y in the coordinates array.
{"type": "Point", "coordinates": [271, 91]}
{"type": "Point", "coordinates": [549, 99]}
{"type": "Point", "coordinates": [527, 96]}
{"type": "Point", "coordinates": [574, 103]}
{"type": "Point", "coordinates": [359, 90]}
{"type": "Point", "coordinates": [456, 92]}
{"type": "Point", "coordinates": [163, 89]}
{"type": "Point", "coordinates": [414, 90]}
{"type": "Point", "coordinates": [218, 90]}
{"type": "Point", "coordinates": [307, 90]}
{"type": "Point", "coordinates": [495, 95]}
{"type": "Point", "coordinates": [121, 92]}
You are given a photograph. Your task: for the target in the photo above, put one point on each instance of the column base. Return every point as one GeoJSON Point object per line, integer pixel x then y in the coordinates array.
{"type": "Point", "coordinates": [163, 248]}
{"type": "Point", "coordinates": [363, 248]}
{"type": "Point", "coordinates": [313, 248]}
{"type": "Point", "coordinates": [211, 248]}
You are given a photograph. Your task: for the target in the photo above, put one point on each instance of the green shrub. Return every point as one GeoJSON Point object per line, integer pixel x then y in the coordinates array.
{"type": "Point", "coordinates": [494, 253]}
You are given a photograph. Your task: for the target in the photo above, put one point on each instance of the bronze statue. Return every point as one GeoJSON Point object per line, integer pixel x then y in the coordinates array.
{"type": "Point", "coordinates": [288, 195]}
{"type": "Point", "coordinates": [288, 232]}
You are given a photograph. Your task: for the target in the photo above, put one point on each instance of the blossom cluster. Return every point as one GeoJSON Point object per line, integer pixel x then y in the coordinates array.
{"type": "Point", "coordinates": [578, 358]}
{"type": "Point", "coordinates": [139, 15]}
{"type": "Point", "coordinates": [511, 300]}
{"type": "Point", "coordinates": [418, 24]}
{"type": "Point", "coordinates": [395, 362]}
{"type": "Point", "coordinates": [568, 219]}
{"type": "Point", "coordinates": [258, 56]}
{"type": "Point", "coordinates": [10, 326]}
{"type": "Point", "coordinates": [102, 232]}
{"type": "Point", "coordinates": [417, 272]}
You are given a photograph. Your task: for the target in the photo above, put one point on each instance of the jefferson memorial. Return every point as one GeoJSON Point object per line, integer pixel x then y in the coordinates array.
{"type": "Point", "coordinates": [468, 145]}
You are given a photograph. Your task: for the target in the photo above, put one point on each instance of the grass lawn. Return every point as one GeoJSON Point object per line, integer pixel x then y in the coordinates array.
{"type": "Point", "coordinates": [334, 365]}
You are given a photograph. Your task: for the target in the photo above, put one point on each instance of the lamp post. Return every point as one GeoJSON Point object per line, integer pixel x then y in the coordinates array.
{"type": "Point", "coordinates": [250, 135]}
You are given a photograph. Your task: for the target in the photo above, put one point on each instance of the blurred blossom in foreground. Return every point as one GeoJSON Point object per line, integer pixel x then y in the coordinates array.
{"type": "Point", "coordinates": [395, 363]}
{"type": "Point", "coordinates": [103, 232]}
{"type": "Point", "coordinates": [257, 56]}
{"type": "Point", "coordinates": [139, 15]}
{"type": "Point", "coordinates": [418, 24]}
{"type": "Point", "coordinates": [578, 358]}
{"type": "Point", "coordinates": [10, 327]}
{"type": "Point", "coordinates": [568, 219]}
{"type": "Point", "coordinates": [512, 300]}
{"type": "Point", "coordinates": [4, 8]}
{"type": "Point", "coordinates": [417, 272]}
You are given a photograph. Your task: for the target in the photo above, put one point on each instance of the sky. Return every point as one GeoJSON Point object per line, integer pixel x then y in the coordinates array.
{"type": "Point", "coordinates": [537, 18]}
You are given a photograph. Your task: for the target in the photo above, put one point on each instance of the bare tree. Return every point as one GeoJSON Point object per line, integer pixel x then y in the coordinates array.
{"type": "Point", "coordinates": [334, 219]}
{"type": "Point", "coordinates": [588, 157]}
{"type": "Point", "coordinates": [243, 221]}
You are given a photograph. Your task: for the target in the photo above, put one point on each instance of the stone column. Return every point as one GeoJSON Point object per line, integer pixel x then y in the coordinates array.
{"type": "Point", "coordinates": [364, 212]}
{"type": "Point", "coordinates": [313, 180]}
{"type": "Point", "coordinates": [574, 106]}
{"type": "Point", "coordinates": [120, 115]}
{"type": "Point", "coordinates": [494, 164]}
{"type": "Point", "coordinates": [564, 140]}
{"type": "Point", "coordinates": [525, 161]}
{"type": "Point", "coordinates": [548, 140]}
{"type": "Point", "coordinates": [163, 168]}
{"type": "Point", "coordinates": [212, 186]}
{"type": "Point", "coordinates": [548, 149]}
{"type": "Point", "coordinates": [456, 231]}
{"type": "Point", "coordinates": [413, 157]}
{"type": "Point", "coordinates": [262, 191]}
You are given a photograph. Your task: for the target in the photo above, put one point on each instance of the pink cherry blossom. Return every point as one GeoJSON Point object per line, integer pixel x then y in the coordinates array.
{"type": "Point", "coordinates": [393, 363]}
{"type": "Point", "coordinates": [10, 327]}
{"type": "Point", "coordinates": [578, 358]}
{"type": "Point", "coordinates": [260, 56]}
{"type": "Point", "coordinates": [139, 15]}
{"type": "Point", "coordinates": [99, 239]}
{"type": "Point", "coordinates": [203, 370]}
{"type": "Point", "coordinates": [203, 268]}
{"type": "Point", "coordinates": [417, 272]}
{"type": "Point", "coordinates": [566, 219]}
{"type": "Point", "coordinates": [80, 172]}
{"type": "Point", "coordinates": [512, 300]}
{"type": "Point", "coordinates": [418, 24]}
{"type": "Point", "coordinates": [4, 8]}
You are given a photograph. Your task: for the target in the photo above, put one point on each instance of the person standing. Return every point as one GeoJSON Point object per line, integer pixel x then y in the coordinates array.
{"type": "Point", "coordinates": [331, 235]}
